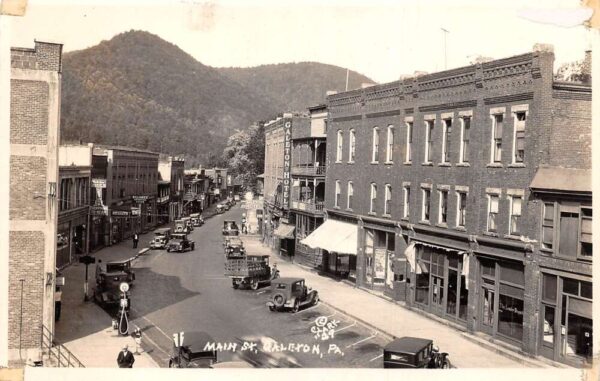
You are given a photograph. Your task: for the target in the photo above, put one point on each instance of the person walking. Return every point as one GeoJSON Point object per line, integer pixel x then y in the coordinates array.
{"type": "Point", "coordinates": [57, 303]}
{"type": "Point", "coordinates": [136, 238]}
{"type": "Point", "coordinates": [125, 358]}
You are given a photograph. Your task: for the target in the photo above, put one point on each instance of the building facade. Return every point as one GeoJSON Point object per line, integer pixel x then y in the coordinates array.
{"type": "Point", "coordinates": [278, 228]}
{"type": "Point", "coordinates": [467, 198]}
{"type": "Point", "coordinates": [130, 188]}
{"type": "Point", "coordinates": [308, 182]}
{"type": "Point", "coordinates": [35, 82]}
{"type": "Point", "coordinates": [170, 188]}
{"type": "Point", "coordinates": [74, 172]}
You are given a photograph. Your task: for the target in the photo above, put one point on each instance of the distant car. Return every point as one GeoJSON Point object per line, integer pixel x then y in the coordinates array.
{"type": "Point", "coordinates": [414, 352]}
{"type": "Point", "coordinates": [197, 219]}
{"type": "Point", "coordinates": [221, 208]}
{"type": "Point", "coordinates": [179, 242]}
{"type": "Point", "coordinates": [291, 293]}
{"type": "Point", "coordinates": [230, 228]}
{"type": "Point", "coordinates": [234, 247]}
{"type": "Point", "coordinates": [193, 352]}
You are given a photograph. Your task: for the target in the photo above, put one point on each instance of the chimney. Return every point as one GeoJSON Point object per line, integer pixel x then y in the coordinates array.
{"type": "Point", "coordinates": [586, 70]}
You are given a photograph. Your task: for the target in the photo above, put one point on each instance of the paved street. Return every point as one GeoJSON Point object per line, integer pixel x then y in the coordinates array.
{"type": "Point", "coordinates": [188, 291]}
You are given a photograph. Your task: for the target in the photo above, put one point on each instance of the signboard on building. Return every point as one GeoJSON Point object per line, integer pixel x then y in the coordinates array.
{"type": "Point", "coordinates": [140, 199]}
{"type": "Point", "coordinates": [135, 211]}
{"type": "Point", "coordinates": [120, 213]}
{"type": "Point", "coordinates": [287, 162]}
{"type": "Point", "coordinates": [229, 181]}
{"type": "Point", "coordinates": [99, 210]}
{"type": "Point", "coordinates": [99, 183]}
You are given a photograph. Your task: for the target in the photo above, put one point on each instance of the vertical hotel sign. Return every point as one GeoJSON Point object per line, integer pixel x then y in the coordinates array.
{"type": "Point", "coordinates": [287, 162]}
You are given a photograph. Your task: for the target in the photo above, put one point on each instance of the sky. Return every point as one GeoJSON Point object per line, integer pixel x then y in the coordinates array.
{"type": "Point", "coordinates": [380, 39]}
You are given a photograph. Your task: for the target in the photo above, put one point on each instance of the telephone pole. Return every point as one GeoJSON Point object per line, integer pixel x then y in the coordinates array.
{"type": "Point", "coordinates": [445, 48]}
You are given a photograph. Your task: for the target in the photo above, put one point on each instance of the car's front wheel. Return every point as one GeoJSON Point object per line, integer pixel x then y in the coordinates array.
{"type": "Point", "coordinates": [254, 284]}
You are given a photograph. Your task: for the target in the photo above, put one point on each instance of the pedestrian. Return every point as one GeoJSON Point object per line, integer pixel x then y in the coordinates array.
{"type": "Point", "coordinates": [136, 238]}
{"type": "Point", "coordinates": [125, 358]}
{"type": "Point", "coordinates": [57, 303]}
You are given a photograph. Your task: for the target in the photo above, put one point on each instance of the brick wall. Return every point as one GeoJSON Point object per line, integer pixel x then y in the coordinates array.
{"type": "Point", "coordinates": [29, 112]}
{"type": "Point", "coordinates": [26, 262]}
{"type": "Point", "coordinates": [27, 188]}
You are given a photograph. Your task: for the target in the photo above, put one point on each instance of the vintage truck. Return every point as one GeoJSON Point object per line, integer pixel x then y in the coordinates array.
{"type": "Point", "coordinates": [249, 270]}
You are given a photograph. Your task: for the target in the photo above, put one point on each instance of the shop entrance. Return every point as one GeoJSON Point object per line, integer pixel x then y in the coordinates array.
{"type": "Point", "coordinates": [379, 246]}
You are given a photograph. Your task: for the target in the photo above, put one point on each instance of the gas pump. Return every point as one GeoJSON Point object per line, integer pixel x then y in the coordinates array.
{"type": "Point", "coordinates": [124, 307]}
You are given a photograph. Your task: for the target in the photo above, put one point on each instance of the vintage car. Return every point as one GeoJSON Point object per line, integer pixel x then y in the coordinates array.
{"type": "Point", "coordinates": [161, 237]}
{"type": "Point", "coordinates": [188, 222]}
{"type": "Point", "coordinates": [263, 358]}
{"type": "Point", "coordinates": [179, 242]}
{"type": "Point", "coordinates": [197, 219]}
{"type": "Point", "coordinates": [414, 352]}
{"type": "Point", "coordinates": [193, 352]}
{"type": "Point", "coordinates": [234, 246]}
{"type": "Point", "coordinates": [291, 293]}
{"type": "Point", "coordinates": [221, 208]}
{"type": "Point", "coordinates": [181, 226]}
{"type": "Point", "coordinates": [109, 277]}
{"type": "Point", "coordinates": [230, 228]}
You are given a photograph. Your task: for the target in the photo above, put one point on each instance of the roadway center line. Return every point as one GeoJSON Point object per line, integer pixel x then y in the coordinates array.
{"type": "Point", "coordinates": [375, 358]}
{"type": "Point", "coordinates": [348, 326]}
{"type": "Point", "coordinates": [154, 324]}
{"type": "Point", "coordinates": [363, 340]}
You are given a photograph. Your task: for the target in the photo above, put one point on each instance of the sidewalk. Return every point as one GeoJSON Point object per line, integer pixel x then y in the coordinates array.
{"type": "Point", "coordinates": [84, 328]}
{"type": "Point", "coordinates": [388, 317]}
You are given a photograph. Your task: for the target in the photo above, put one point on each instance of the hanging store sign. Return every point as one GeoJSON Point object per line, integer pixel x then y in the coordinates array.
{"type": "Point", "coordinates": [287, 162]}
{"type": "Point", "coordinates": [140, 199]}
{"type": "Point", "coordinates": [120, 213]}
{"type": "Point", "coordinates": [135, 211]}
{"type": "Point", "coordinates": [99, 210]}
{"type": "Point", "coordinates": [99, 183]}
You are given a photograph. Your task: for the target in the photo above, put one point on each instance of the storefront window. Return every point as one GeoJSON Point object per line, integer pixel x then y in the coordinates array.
{"type": "Point", "coordinates": [422, 288]}
{"type": "Point", "coordinates": [579, 337]}
{"type": "Point", "coordinates": [464, 298]}
{"type": "Point", "coordinates": [510, 317]}
{"type": "Point", "coordinates": [488, 307]}
{"type": "Point", "coordinates": [549, 316]}
{"type": "Point", "coordinates": [452, 292]}
{"type": "Point", "coordinates": [549, 288]}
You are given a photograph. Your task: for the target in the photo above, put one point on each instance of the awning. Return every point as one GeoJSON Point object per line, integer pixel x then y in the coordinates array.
{"type": "Point", "coordinates": [336, 236]}
{"type": "Point", "coordinates": [410, 254]}
{"type": "Point", "coordinates": [562, 180]}
{"type": "Point", "coordinates": [285, 231]}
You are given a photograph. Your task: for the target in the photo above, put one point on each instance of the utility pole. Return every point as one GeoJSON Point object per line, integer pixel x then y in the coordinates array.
{"type": "Point", "coordinates": [445, 48]}
{"type": "Point", "coordinates": [347, 76]}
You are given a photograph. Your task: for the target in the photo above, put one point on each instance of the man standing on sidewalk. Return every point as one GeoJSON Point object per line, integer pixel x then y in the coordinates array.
{"type": "Point", "coordinates": [136, 238]}
{"type": "Point", "coordinates": [125, 358]}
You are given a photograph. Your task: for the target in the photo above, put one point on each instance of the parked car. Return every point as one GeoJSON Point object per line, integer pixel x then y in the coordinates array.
{"type": "Point", "coordinates": [230, 228]}
{"type": "Point", "coordinates": [414, 352]}
{"type": "Point", "coordinates": [221, 208]}
{"type": "Point", "coordinates": [234, 247]}
{"type": "Point", "coordinates": [181, 226]}
{"type": "Point", "coordinates": [197, 219]}
{"type": "Point", "coordinates": [179, 242]}
{"type": "Point", "coordinates": [161, 237]}
{"type": "Point", "coordinates": [109, 277]}
{"type": "Point", "coordinates": [192, 354]}
{"type": "Point", "coordinates": [291, 293]}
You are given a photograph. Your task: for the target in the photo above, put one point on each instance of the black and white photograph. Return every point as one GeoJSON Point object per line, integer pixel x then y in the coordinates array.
{"type": "Point", "coordinates": [337, 187]}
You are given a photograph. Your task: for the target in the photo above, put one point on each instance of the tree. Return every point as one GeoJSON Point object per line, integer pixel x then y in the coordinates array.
{"type": "Point", "coordinates": [245, 154]}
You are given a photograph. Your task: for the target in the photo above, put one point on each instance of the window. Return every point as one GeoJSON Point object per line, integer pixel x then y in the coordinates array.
{"type": "Point", "coordinates": [340, 143]}
{"type": "Point", "coordinates": [426, 204]}
{"type": "Point", "coordinates": [352, 147]}
{"type": "Point", "coordinates": [390, 144]}
{"type": "Point", "coordinates": [428, 140]}
{"type": "Point", "coordinates": [464, 143]}
{"type": "Point", "coordinates": [375, 155]}
{"type": "Point", "coordinates": [447, 126]}
{"type": "Point", "coordinates": [443, 214]}
{"type": "Point", "coordinates": [548, 225]}
{"type": "Point", "coordinates": [461, 209]}
{"type": "Point", "coordinates": [515, 214]}
{"type": "Point", "coordinates": [372, 208]}
{"type": "Point", "coordinates": [519, 137]}
{"type": "Point", "coordinates": [585, 239]}
{"type": "Point", "coordinates": [388, 199]}
{"type": "Point", "coordinates": [497, 138]}
{"type": "Point", "coordinates": [569, 232]}
{"type": "Point", "coordinates": [350, 194]}
{"type": "Point", "coordinates": [406, 202]}
{"type": "Point", "coordinates": [409, 138]}
{"type": "Point", "coordinates": [338, 192]}
{"type": "Point", "coordinates": [493, 200]}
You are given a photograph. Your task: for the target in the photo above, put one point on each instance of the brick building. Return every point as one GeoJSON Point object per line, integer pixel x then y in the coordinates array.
{"type": "Point", "coordinates": [74, 172]}
{"type": "Point", "coordinates": [128, 179]}
{"type": "Point", "coordinates": [198, 194]}
{"type": "Point", "coordinates": [308, 182]}
{"type": "Point", "coordinates": [35, 82]}
{"type": "Point", "coordinates": [278, 228]}
{"type": "Point", "coordinates": [463, 194]}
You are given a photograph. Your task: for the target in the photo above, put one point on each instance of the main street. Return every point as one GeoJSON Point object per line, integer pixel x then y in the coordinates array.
{"type": "Point", "coordinates": [176, 292]}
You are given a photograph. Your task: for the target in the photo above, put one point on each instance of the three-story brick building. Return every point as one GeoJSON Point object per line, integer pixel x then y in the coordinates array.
{"type": "Point", "coordinates": [466, 194]}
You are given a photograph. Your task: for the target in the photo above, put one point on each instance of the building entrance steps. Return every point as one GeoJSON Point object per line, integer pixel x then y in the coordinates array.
{"type": "Point", "coordinates": [395, 320]}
